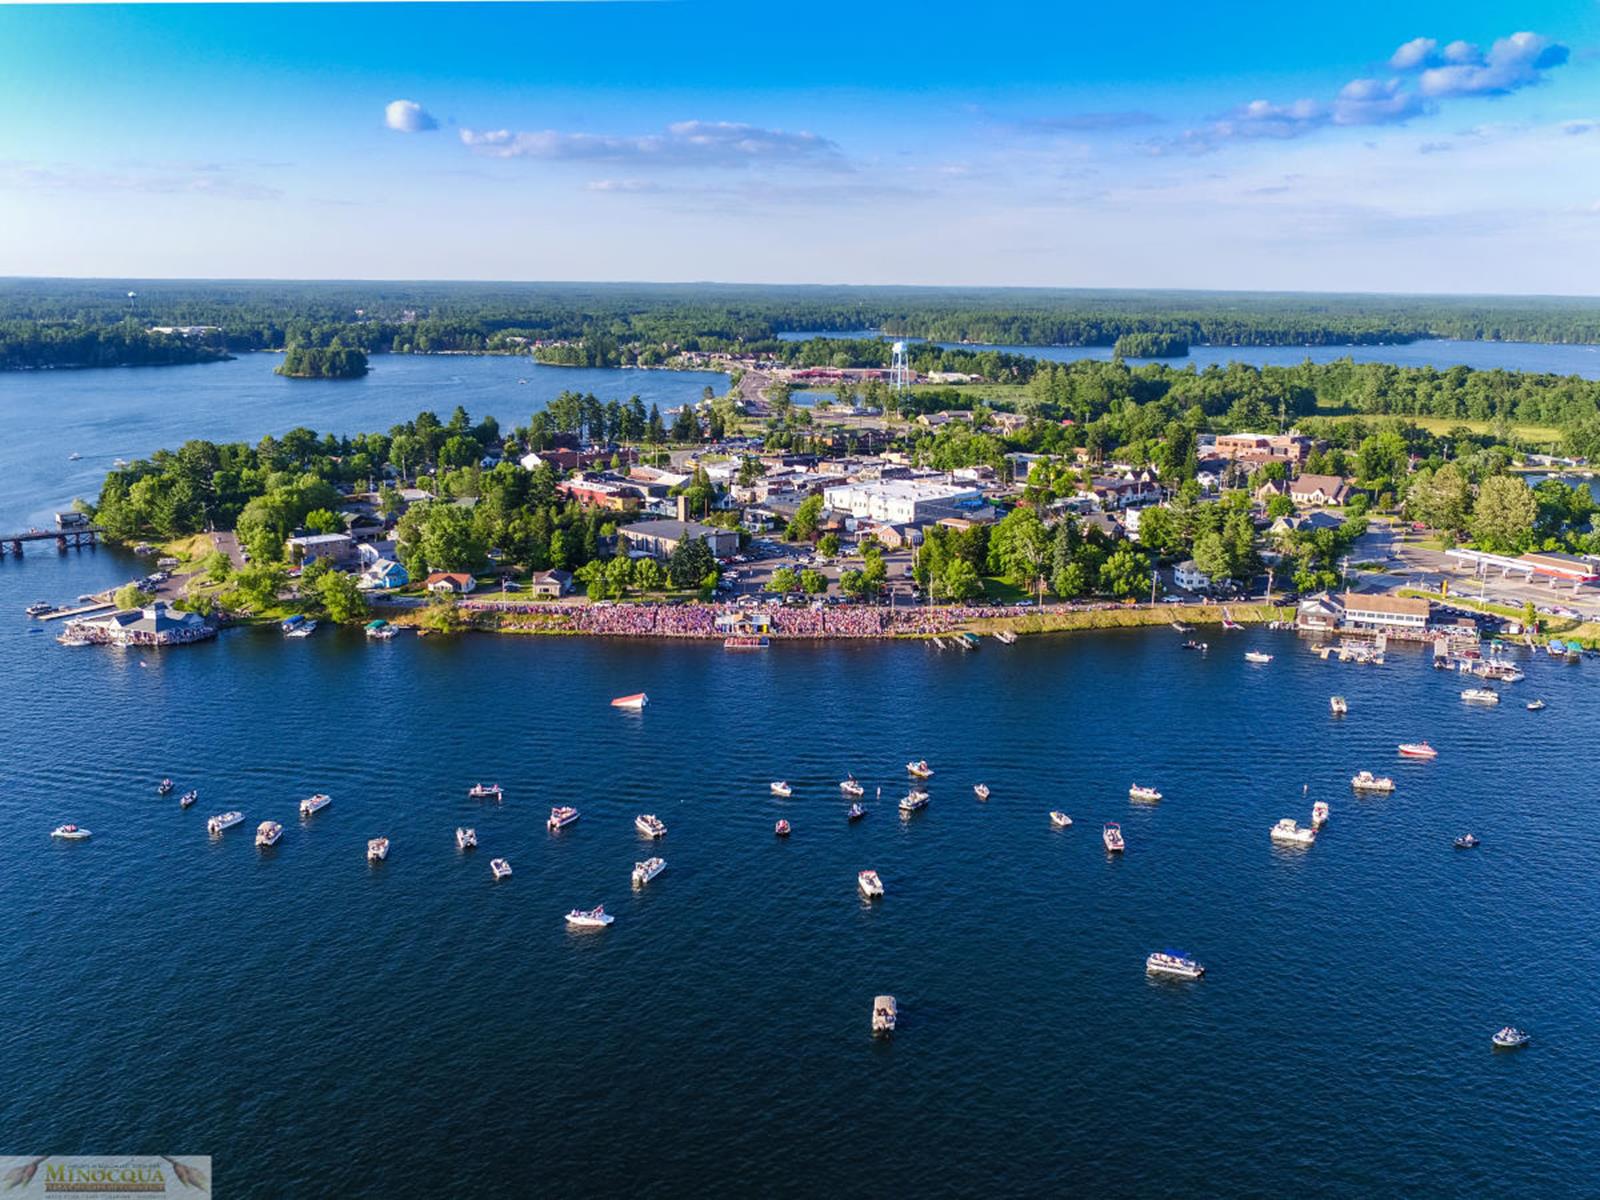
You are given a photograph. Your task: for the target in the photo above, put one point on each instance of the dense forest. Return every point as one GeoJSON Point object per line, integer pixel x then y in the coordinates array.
{"type": "Point", "coordinates": [323, 362]}
{"type": "Point", "coordinates": [50, 322]}
{"type": "Point", "coordinates": [1151, 345]}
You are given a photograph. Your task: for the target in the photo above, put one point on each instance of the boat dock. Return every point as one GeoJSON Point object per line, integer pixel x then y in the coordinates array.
{"type": "Point", "coordinates": [67, 537]}
{"type": "Point", "coordinates": [87, 610]}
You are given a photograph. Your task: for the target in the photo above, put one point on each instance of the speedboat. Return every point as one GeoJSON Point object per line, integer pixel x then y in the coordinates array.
{"type": "Point", "coordinates": [1289, 832]}
{"type": "Point", "coordinates": [380, 630]}
{"type": "Point", "coordinates": [312, 805]}
{"type": "Point", "coordinates": [1173, 963]}
{"type": "Point", "coordinates": [1481, 696]}
{"type": "Point", "coordinates": [1366, 781]}
{"type": "Point", "coordinates": [485, 791]}
{"type": "Point", "coordinates": [981, 790]}
{"type": "Point", "coordinates": [377, 849]}
{"type": "Point", "coordinates": [1060, 819]}
{"type": "Point", "coordinates": [1466, 842]}
{"type": "Point", "coordinates": [303, 630]}
{"type": "Point", "coordinates": [850, 787]}
{"type": "Point", "coordinates": [869, 883]}
{"type": "Point", "coordinates": [856, 813]}
{"type": "Point", "coordinates": [633, 703]}
{"type": "Point", "coordinates": [163, 787]}
{"type": "Point", "coordinates": [1338, 706]}
{"type": "Point", "coordinates": [781, 828]}
{"type": "Point", "coordinates": [466, 839]}
{"type": "Point", "coordinates": [595, 918]}
{"type": "Point", "coordinates": [1191, 644]}
{"type": "Point", "coordinates": [650, 825]}
{"type": "Point", "coordinates": [1143, 793]}
{"type": "Point", "coordinates": [290, 624]}
{"type": "Point", "coordinates": [1510, 1038]}
{"type": "Point", "coordinates": [920, 769]}
{"type": "Point", "coordinates": [1417, 750]}
{"type": "Point", "coordinates": [1319, 814]}
{"type": "Point", "coordinates": [187, 799]}
{"type": "Point", "coordinates": [69, 833]}
{"type": "Point", "coordinates": [74, 456]}
{"type": "Point", "coordinates": [913, 801]}
{"type": "Point", "coordinates": [885, 1015]}
{"type": "Point", "coordinates": [1536, 706]}
{"type": "Point", "coordinates": [268, 833]}
{"type": "Point", "coordinates": [68, 638]}
{"type": "Point", "coordinates": [1256, 656]}
{"type": "Point", "coordinates": [644, 872]}
{"type": "Point", "coordinates": [500, 867]}
{"type": "Point", "coordinates": [39, 608]}
{"type": "Point", "coordinates": [1111, 835]}
{"type": "Point", "coordinates": [215, 825]}
{"type": "Point", "coordinates": [561, 817]}
{"type": "Point", "coordinates": [780, 788]}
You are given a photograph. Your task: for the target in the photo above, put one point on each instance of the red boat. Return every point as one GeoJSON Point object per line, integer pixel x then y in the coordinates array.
{"type": "Point", "coordinates": [781, 829]}
{"type": "Point", "coordinates": [1417, 750]}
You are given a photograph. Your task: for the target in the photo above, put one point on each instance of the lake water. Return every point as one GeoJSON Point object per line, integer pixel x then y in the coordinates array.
{"type": "Point", "coordinates": [1441, 353]}
{"type": "Point", "coordinates": [127, 413]}
{"type": "Point", "coordinates": [324, 1027]}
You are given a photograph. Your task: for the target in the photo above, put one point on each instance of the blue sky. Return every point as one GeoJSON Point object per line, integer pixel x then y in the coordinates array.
{"type": "Point", "coordinates": [1357, 146]}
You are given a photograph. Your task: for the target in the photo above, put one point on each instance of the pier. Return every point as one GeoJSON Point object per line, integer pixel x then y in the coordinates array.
{"type": "Point", "coordinates": [69, 537]}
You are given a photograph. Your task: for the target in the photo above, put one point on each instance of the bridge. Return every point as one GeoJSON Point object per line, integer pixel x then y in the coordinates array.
{"type": "Point", "coordinates": [67, 537]}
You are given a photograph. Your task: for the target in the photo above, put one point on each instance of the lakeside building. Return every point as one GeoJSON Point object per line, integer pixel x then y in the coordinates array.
{"type": "Point", "coordinates": [658, 539]}
{"type": "Point", "coordinates": [905, 501]}
{"type": "Point", "coordinates": [450, 583]}
{"type": "Point", "coordinates": [1190, 577]}
{"type": "Point", "coordinates": [1383, 613]}
{"type": "Point", "coordinates": [335, 549]}
{"type": "Point", "coordinates": [384, 574]}
{"type": "Point", "coordinates": [551, 584]}
{"type": "Point", "coordinates": [153, 625]}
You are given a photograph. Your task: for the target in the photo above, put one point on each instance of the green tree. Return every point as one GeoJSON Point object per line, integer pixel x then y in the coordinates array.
{"type": "Point", "coordinates": [690, 563]}
{"type": "Point", "coordinates": [131, 595]}
{"type": "Point", "coordinates": [805, 520]}
{"type": "Point", "coordinates": [341, 598]}
{"type": "Point", "coordinates": [960, 580]}
{"type": "Point", "coordinates": [783, 580]}
{"type": "Point", "coordinates": [1125, 573]}
{"type": "Point", "coordinates": [828, 545]}
{"type": "Point", "coordinates": [1278, 506]}
{"type": "Point", "coordinates": [813, 582]}
{"type": "Point", "coordinates": [259, 583]}
{"type": "Point", "coordinates": [1212, 557]}
{"type": "Point", "coordinates": [648, 575]}
{"type": "Point", "coordinates": [217, 566]}
{"type": "Point", "coordinates": [1505, 512]}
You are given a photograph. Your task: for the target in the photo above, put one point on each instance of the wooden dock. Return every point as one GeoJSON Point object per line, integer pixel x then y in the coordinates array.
{"type": "Point", "coordinates": [66, 614]}
{"type": "Point", "coordinates": [72, 537]}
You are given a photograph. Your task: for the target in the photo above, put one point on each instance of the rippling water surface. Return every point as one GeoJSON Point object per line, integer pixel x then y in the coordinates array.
{"type": "Point", "coordinates": [324, 1027]}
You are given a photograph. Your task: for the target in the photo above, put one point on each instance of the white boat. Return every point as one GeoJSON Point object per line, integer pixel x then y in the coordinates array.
{"type": "Point", "coordinates": [380, 630]}
{"type": "Point", "coordinates": [851, 788]}
{"type": "Point", "coordinates": [312, 805]}
{"type": "Point", "coordinates": [869, 883]}
{"type": "Point", "coordinates": [187, 799]}
{"type": "Point", "coordinates": [1060, 819]}
{"type": "Point", "coordinates": [856, 813]}
{"type": "Point", "coordinates": [981, 790]}
{"type": "Point", "coordinates": [292, 623]}
{"type": "Point", "coordinates": [163, 787]}
{"type": "Point", "coordinates": [633, 703]}
{"type": "Point", "coordinates": [650, 825]}
{"type": "Point", "coordinates": [913, 801]}
{"type": "Point", "coordinates": [74, 456]}
{"type": "Point", "coordinates": [1319, 814]}
{"type": "Point", "coordinates": [644, 872]}
{"type": "Point", "coordinates": [1481, 696]}
{"type": "Point", "coordinates": [1173, 963]}
{"type": "Point", "coordinates": [1289, 832]}
{"type": "Point", "coordinates": [215, 825]}
{"type": "Point", "coordinates": [68, 638]}
{"type": "Point", "coordinates": [1417, 750]}
{"type": "Point", "coordinates": [39, 608]}
{"type": "Point", "coordinates": [304, 630]}
{"type": "Point", "coordinates": [268, 833]}
{"type": "Point", "coordinates": [1256, 656]}
{"type": "Point", "coordinates": [561, 817]}
{"type": "Point", "coordinates": [595, 918]}
{"type": "Point", "coordinates": [1338, 705]}
{"type": "Point", "coordinates": [466, 839]}
{"type": "Point", "coordinates": [1366, 781]}
{"type": "Point", "coordinates": [1510, 1038]}
{"type": "Point", "coordinates": [1143, 793]}
{"type": "Point", "coordinates": [486, 791]}
{"type": "Point", "coordinates": [377, 849]}
{"type": "Point", "coordinates": [1536, 706]}
{"type": "Point", "coordinates": [780, 788]}
{"type": "Point", "coordinates": [920, 769]}
{"type": "Point", "coordinates": [500, 867]}
{"type": "Point", "coordinates": [69, 833]}
{"type": "Point", "coordinates": [885, 1015]}
{"type": "Point", "coordinates": [1111, 835]}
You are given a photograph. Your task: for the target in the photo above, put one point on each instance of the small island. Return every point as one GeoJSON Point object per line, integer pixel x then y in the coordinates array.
{"type": "Point", "coordinates": [1151, 344]}
{"type": "Point", "coordinates": [323, 362]}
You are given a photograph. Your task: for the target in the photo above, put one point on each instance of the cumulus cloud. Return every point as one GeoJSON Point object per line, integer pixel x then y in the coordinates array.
{"type": "Point", "coordinates": [682, 144]}
{"type": "Point", "coordinates": [1512, 63]}
{"type": "Point", "coordinates": [407, 116]}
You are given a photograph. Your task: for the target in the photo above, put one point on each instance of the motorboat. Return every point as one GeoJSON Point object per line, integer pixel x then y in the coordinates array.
{"type": "Point", "coordinates": [644, 872]}
{"type": "Point", "coordinates": [779, 788]}
{"type": "Point", "coordinates": [268, 833]}
{"type": "Point", "coordinates": [856, 813]}
{"type": "Point", "coordinates": [74, 456]}
{"type": "Point", "coordinates": [380, 630]}
{"type": "Point", "coordinates": [1257, 656]}
{"type": "Point", "coordinates": [486, 791]}
{"type": "Point", "coordinates": [1191, 644]}
{"type": "Point", "coordinates": [216, 825]}
{"type": "Point", "coordinates": [1366, 781]}
{"type": "Point", "coordinates": [163, 787]}
{"type": "Point", "coordinates": [1182, 628]}
{"type": "Point", "coordinates": [885, 1015]}
{"type": "Point", "coordinates": [1174, 964]}
{"type": "Point", "coordinates": [312, 805]}
{"type": "Point", "coordinates": [1143, 793]}
{"type": "Point", "coordinates": [1111, 835]}
{"type": "Point", "coordinates": [781, 828]}
{"type": "Point", "coordinates": [981, 790]}
{"type": "Point", "coordinates": [561, 817]}
{"type": "Point", "coordinates": [1290, 833]}
{"type": "Point", "coordinates": [633, 703]}
{"type": "Point", "coordinates": [1481, 696]}
{"type": "Point", "coordinates": [1060, 819]}
{"type": "Point", "coordinates": [1319, 814]}
{"type": "Point", "coordinates": [303, 630]}
{"type": "Point", "coordinates": [1466, 842]}
{"type": "Point", "coordinates": [377, 849]}
{"type": "Point", "coordinates": [594, 918]}
{"type": "Point", "coordinates": [1417, 750]}
{"type": "Point", "coordinates": [919, 769]}
{"type": "Point", "coordinates": [69, 833]}
{"type": "Point", "coordinates": [188, 799]}
{"type": "Point", "coordinates": [39, 608]}
{"type": "Point", "coordinates": [869, 883]}
{"type": "Point", "coordinates": [466, 839]}
{"type": "Point", "coordinates": [1536, 705]}
{"type": "Point", "coordinates": [290, 624]}
{"type": "Point", "coordinates": [912, 802]}
{"type": "Point", "coordinates": [1338, 705]}
{"type": "Point", "coordinates": [1510, 1038]}
{"type": "Point", "coordinates": [500, 867]}
{"type": "Point", "coordinates": [68, 638]}
{"type": "Point", "coordinates": [650, 825]}
{"type": "Point", "coordinates": [850, 787]}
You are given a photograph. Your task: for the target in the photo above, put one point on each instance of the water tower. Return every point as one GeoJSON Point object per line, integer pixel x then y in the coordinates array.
{"type": "Point", "coordinates": [899, 368]}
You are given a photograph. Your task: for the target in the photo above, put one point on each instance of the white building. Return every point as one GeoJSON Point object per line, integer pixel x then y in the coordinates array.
{"type": "Point", "coordinates": [902, 501]}
{"type": "Point", "coordinates": [1190, 577]}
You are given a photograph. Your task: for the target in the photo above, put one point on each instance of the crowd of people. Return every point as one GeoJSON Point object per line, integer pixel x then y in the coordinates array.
{"type": "Point", "coordinates": [701, 620]}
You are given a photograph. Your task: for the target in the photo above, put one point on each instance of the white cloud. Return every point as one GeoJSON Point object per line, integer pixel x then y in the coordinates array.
{"type": "Point", "coordinates": [682, 144]}
{"type": "Point", "coordinates": [1518, 61]}
{"type": "Point", "coordinates": [407, 116]}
